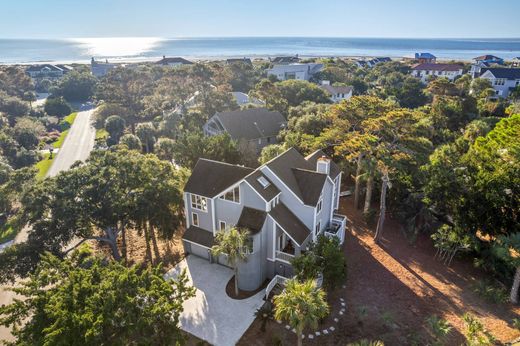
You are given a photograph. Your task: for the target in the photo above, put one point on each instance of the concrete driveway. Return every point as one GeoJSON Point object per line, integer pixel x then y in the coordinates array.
{"type": "Point", "coordinates": [211, 315]}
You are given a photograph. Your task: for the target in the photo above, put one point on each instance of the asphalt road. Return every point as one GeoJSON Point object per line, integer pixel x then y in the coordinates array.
{"type": "Point", "coordinates": [77, 146]}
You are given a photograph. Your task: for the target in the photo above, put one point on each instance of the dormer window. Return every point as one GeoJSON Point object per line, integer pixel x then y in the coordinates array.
{"type": "Point", "coordinates": [263, 182]}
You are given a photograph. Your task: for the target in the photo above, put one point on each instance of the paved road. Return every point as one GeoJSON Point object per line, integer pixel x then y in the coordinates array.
{"type": "Point", "coordinates": [77, 146]}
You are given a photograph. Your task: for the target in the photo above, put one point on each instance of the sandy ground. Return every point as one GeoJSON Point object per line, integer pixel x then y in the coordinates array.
{"type": "Point", "coordinates": [391, 289]}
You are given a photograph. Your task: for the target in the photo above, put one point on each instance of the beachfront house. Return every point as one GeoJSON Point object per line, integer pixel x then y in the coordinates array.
{"type": "Point", "coordinates": [371, 62]}
{"type": "Point", "coordinates": [295, 71]}
{"type": "Point", "coordinates": [425, 58]}
{"type": "Point", "coordinates": [337, 93]}
{"type": "Point", "coordinates": [285, 60]}
{"type": "Point", "coordinates": [489, 59]}
{"type": "Point", "coordinates": [426, 71]}
{"type": "Point", "coordinates": [47, 71]}
{"type": "Point", "coordinates": [100, 68]}
{"type": "Point", "coordinates": [285, 205]}
{"type": "Point", "coordinates": [503, 80]}
{"type": "Point", "coordinates": [173, 62]}
{"type": "Point", "coordinates": [255, 127]}
{"type": "Point", "coordinates": [243, 60]}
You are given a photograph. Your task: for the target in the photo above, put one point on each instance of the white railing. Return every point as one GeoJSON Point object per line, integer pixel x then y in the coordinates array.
{"type": "Point", "coordinates": [284, 256]}
{"type": "Point", "coordinates": [278, 279]}
{"type": "Point", "coordinates": [341, 222]}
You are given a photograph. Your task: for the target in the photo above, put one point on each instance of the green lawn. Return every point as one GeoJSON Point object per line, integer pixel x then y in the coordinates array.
{"type": "Point", "coordinates": [6, 233]}
{"type": "Point", "coordinates": [65, 125]}
{"type": "Point", "coordinates": [44, 165]}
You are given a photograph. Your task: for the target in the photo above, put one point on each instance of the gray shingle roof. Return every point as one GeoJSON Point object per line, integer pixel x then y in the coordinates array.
{"type": "Point", "coordinates": [313, 159]}
{"type": "Point", "coordinates": [175, 60]}
{"type": "Point", "coordinates": [437, 67]}
{"type": "Point", "coordinates": [507, 73]}
{"type": "Point", "coordinates": [252, 219]}
{"type": "Point", "coordinates": [200, 236]}
{"type": "Point", "coordinates": [337, 89]}
{"type": "Point", "coordinates": [252, 123]}
{"type": "Point", "coordinates": [299, 175]}
{"type": "Point", "coordinates": [267, 193]}
{"type": "Point", "coordinates": [210, 178]}
{"type": "Point", "coordinates": [290, 223]}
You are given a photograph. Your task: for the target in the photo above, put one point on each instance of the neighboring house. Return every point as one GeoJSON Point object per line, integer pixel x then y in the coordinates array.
{"type": "Point", "coordinates": [337, 93]}
{"type": "Point", "coordinates": [244, 99]}
{"type": "Point", "coordinates": [243, 60]}
{"type": "Point", "coordinates": [476, 68]}
{"type": "Point", "coordinates": [285, 204]}
{"type": "Point", "coordinates": [503, 80]}
{"type": "Point", "coordinates": [425, 71]}
{"type": "Point", "coordinates": [489, 59]}
{"type": "Point", "coordinates": [47, 71]}
{"type": "Point", "coordinates": [516, 61]}
{"type": "Point", "coordinates": [285, 60]}
{"type": "Point", "coordinates": [425, 58]}
{"type": "Point", "coordinates": [295, 71]}
{"type": "Point", "coordinates": [99, 69]}
{"type": "Point", "coordinates": [173, 62]}
{"type": "Point", "coordinates": [371, 62]}
{"type": "Point", "coordinates": [256, 126]}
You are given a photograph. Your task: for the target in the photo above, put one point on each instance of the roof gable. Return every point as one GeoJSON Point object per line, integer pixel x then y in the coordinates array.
{"type": "Point", "coordinates": [252, 123]}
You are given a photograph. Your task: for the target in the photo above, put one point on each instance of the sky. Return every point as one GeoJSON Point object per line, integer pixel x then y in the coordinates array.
{"type": "Point", "coordinates": [223, 18]}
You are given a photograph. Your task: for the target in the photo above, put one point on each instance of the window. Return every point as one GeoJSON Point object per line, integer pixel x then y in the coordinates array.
{"type": "Point", "coordinates": [222, 225]}
{"type": "Point", "coordinates": [318, 207]}
{"type": "Point", "coordinates": [232, 195]}
{"type": "Point", "coordinates": [268, 139]}
{"type": "Point", "coordinates": [318, 228]}
{"type": "Point", "coordinates": [263, 181]}
{"type": "Point", "coordinates": [248, 245]}
{"type": "Point", "coordinates": [199, 202]}
{"type": "Point", "coordinates": [195, 219]}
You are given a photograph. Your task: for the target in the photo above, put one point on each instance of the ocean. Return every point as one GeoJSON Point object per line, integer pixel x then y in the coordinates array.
{"type": "Point", "coordinates": [149, 48]}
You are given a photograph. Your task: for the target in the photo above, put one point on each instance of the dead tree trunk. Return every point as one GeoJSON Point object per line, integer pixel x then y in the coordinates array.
{"type": "Point", "coordinates": [382, 209]}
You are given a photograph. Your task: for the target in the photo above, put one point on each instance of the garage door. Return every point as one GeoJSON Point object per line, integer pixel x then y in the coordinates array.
{"type": "Point", "coordinates": [200, 251]}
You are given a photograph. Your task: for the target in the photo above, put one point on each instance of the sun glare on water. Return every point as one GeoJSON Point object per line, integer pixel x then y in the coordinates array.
{"type": "Point", "coordinates": [117, 46]}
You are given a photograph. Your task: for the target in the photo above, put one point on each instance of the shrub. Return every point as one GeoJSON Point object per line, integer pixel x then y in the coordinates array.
{"type": "Point", "coordinates": [490, 292]}
{"type": "Point", "coordinates": [57, 107]}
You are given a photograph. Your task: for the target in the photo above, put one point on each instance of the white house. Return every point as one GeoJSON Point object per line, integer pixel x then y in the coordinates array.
{"type": "Point", "coordinates": [503, 80]}
{"type": "Point", "coordinates": [295, 71]}
{"type": "Point", "coordinates": [244, 99]}
{"type": "Point", "coordinates": [426, 70]}
{"type": "Point", "coordinates": [337, 93]}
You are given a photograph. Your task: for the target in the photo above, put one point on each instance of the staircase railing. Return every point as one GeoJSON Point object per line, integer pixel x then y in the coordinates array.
{"type": "Point", "coordinates": [278, 279]}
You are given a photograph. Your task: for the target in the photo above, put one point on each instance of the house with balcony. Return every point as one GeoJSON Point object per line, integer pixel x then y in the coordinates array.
{"type": "Point", "coordinates": [503, 80]}
{"type": "Point", "coordinates": [426, 71]}
{"type": "Point", "coordinates": [285, 204]}
{"type": "Point", "coordinates": [295, 71]}
{"type": "Point", "coordinates": [47, 71]}
{"type": "Point", "coordinates": [253, 127]}
{"type": "Point", "coordinates": [173, 62]}
{"type": "Point", "coordinates": [425, 58]}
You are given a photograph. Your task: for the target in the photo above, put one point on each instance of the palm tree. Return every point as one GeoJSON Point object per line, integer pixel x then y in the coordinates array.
{"type": "Point", "coordinates": [302, 304]}
{"type": "Point", "coordinates": [231, 243]}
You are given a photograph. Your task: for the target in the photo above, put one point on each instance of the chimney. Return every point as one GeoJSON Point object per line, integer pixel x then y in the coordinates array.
{"type": "Point", "coordinates": [323, 165]}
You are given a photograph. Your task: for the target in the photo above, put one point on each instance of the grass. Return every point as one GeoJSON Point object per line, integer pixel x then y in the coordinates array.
{"type": "Point", "coordinates": [65, 125]}
{"type": "Point", "coordinates": [101, 134]}
{"type": "Point", "coordinates": [44, 165]}
{"type": "Point", "coordinates": [6, 233]}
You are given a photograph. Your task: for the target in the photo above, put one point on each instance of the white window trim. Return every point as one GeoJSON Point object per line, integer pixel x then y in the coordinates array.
{"type": "Point", "coordinates": [193, 219]}
{"type": "Point", "coordinates": [221, 197]}
{"type": "Point", "coordinates": [192, 204]}
{"type": "Point", "coordinates": [219, 226]}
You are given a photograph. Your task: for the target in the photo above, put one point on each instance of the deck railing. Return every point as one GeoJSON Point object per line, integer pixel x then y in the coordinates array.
{"type": "Point", "coordinates": [339, 222]}
{"type": "Point", "coordinates": [278, 279]}
{"type": "Point", "coordinates": [284, 256]}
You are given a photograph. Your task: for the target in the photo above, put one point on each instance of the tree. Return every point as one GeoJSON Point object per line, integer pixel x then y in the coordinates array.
{"type": "Point", "coordinates": [194, 145]}
{"type": "Point", "coordinates": [96, 201]}
{"type": "Point", "coordinates": [132, 142]}
{"type": "Point", "coordinates": [442, 87]}
{"type": "Point", "coordinates": [270, 152]}
{"type": "Point", "coordinates": [302, 305]}
{"type": "Point", "coordinates": [268, 92]}
{"type": "Point", "coordinates": [76, 86]}
{"type": "Point", "coordinates": [86, 300]}
{"type": "Point", "coordinates": [507, 248]}
{"type": "Point", "coordinates": [478, 86]}
{"type": "Point", "coordinates": [165, 149]}
{"type": "Point", "coordinates": [231, 243]}
{"type": "Point", "coordinates": [146, 133]}
{"type": "Point", "coordinates": [27, 132]}
{"type": "Point", "coordinates": [115, 126]}
{"type": "Point", "coordinates": [298, 91]}
{"type": "Point", "coordinates": [105, 110]}
{"type": "Point", "coordinates": [57, 106]}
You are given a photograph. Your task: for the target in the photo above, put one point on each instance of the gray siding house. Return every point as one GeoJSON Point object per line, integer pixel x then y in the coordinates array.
{"type": "Point", "coordinates": [285, 204]}
{"type": "Point", "coordinates": [256, 126]}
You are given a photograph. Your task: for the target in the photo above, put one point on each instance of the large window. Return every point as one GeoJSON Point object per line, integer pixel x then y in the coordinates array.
{"type": "Point", "coordinates": [222, 226]}
{"type": "Point", "coordinates": [232, 195]}
{"type": "Point", "coordinates": [199, 202]}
